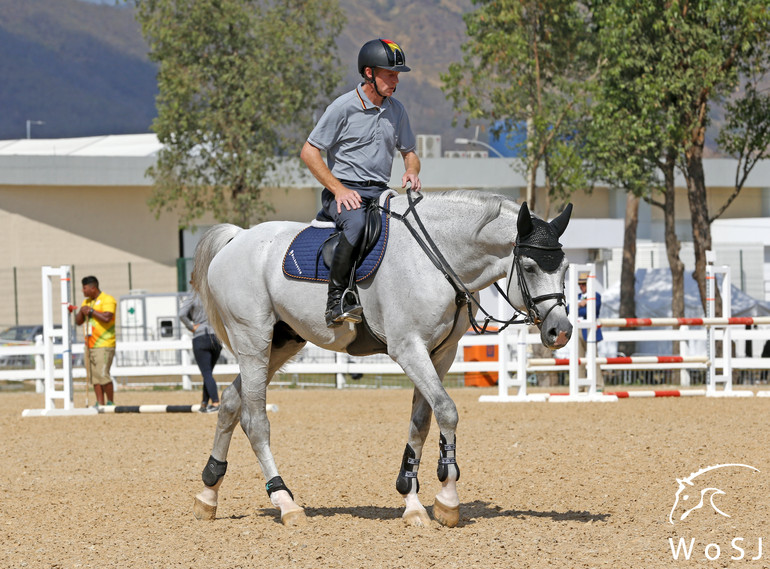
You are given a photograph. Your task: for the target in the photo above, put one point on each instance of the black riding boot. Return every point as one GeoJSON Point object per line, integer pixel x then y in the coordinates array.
{"type": "Point", "coordinates": [339, 279]}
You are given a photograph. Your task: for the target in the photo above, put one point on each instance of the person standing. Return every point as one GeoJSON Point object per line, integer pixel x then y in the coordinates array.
{"type": "Point", "coordinates": [582, 314]}
{"type": "Point", "coordinates": [97, 312]}
{"type": "Point", "coordinates": [360, 132]}
{"type": "Point", "coordinates": [206, 349]}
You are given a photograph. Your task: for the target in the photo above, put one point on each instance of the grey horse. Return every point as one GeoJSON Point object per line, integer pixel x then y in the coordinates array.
{"type": "Point", "coordinates": [266, 318]}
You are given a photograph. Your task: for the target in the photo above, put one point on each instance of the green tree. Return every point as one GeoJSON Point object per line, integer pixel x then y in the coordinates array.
{"type": "Point", "coordinates": [634, 131]}
{"type": "Point", "coordinates": [716, 45]}
{"type": "Point", "coordinates": [238, 81]}
{"type": "Point", "coordinates": [529, 64]}
{"type": "Point", "coordinates": [745, 135]}
{"type": "Point", "coordinates": [664, 63]}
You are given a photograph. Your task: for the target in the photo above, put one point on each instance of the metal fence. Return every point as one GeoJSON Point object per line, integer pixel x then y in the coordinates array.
{"type": "Point", "coordinates": [21, 288]}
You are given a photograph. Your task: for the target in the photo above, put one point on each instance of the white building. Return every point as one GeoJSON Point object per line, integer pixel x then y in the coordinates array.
{"type": "Point", "coordinates": [83, 202]}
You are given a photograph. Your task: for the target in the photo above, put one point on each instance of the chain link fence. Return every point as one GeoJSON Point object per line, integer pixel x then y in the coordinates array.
{"type": "Point", "coordinates": [22, 286]}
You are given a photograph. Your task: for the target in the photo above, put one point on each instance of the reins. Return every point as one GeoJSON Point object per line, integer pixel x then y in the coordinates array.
{"type": "Point", "coordinates": [463, 296]}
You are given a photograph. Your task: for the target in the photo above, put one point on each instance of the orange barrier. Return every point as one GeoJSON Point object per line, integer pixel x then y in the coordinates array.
{"type": "Point", "coordinates": [480, 354]}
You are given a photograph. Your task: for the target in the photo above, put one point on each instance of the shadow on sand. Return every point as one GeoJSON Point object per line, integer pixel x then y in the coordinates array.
{"type": "Point", "coordinates": [469, 512]}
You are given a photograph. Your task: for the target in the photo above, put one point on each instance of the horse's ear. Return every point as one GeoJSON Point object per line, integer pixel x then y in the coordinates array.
{"type": "Point", "coordinates": [560, 223]}
{"type": "Point", "coordinates": [524, 222]}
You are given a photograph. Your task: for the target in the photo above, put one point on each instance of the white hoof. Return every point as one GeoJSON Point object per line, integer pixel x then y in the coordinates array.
{"type": "Point", "coordinates": [417, 518]}
{"type": "Point", "coordinates": [447, 516]}
{"type": "Point", "coordinates": [204, 511]}
{"type": "Point", "coordinates": [293, 517]}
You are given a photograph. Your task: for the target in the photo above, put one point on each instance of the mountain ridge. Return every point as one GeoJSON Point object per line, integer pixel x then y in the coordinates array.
{"type": "Point", "coordinates": [82, 66]}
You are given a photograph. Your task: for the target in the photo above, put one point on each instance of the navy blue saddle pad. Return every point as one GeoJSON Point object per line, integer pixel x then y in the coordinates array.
{"type": "Point", "coordinates": [303, 259]}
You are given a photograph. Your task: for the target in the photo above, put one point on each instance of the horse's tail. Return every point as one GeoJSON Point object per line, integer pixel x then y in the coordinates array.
{"type": "Point", "coordinates": [210, 244]}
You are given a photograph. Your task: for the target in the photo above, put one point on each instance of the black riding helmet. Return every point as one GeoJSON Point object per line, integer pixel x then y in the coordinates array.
{"type": "Point", "coordinates": [386, 54]}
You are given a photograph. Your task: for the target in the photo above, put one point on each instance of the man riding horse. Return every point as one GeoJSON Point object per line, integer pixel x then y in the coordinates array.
{"type": "Point", "coordinates": [360, 132]}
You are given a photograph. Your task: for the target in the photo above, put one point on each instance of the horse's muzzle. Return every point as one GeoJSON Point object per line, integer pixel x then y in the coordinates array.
{"type": "Point", "coordinates": [561, 340]}
{"type": "Point", "coordinates": [556, 335]}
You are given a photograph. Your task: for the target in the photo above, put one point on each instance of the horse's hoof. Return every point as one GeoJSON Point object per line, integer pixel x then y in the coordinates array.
{"type": "Point", "coordinates": [417, 518]}
{"type": "Point", "coordinates": [294, 518]}
{"type": "Point", "coordinates": [204, 511]}
{"type": "Point", "coordinates": [446, 515]}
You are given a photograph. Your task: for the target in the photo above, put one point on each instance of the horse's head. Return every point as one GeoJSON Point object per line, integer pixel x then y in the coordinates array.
{"type": "Point", "coordinates": [540, 265]}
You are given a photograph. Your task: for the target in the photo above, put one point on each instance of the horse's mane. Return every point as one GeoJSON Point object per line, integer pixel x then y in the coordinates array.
{"type": "Point", "coordinates": [493, 204]}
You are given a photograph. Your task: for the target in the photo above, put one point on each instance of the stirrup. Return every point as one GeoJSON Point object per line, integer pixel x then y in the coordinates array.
{"type": "Point", "coordinates": [354, 311]}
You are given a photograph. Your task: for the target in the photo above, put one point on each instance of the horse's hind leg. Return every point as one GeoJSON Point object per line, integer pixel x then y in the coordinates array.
{"type": "Point", "coordinates": [257, 428]}
{"type": "Point", "coordinates": [205, 506]}
{"type": "Point", "coordinates": [283, 349]}
{"type": "Point", "coordinates": [286, 344]}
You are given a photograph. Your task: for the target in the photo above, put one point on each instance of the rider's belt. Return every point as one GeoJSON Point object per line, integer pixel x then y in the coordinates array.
{"type": "Point", "coordinates": [364, 184]}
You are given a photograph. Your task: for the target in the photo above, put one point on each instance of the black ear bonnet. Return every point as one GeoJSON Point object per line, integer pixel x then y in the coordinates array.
{"type": "Point", "coordinates": [539, 239]}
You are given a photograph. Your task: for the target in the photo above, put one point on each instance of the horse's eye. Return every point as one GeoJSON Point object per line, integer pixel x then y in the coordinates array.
{"type": "Point", "coordinates": [530, 269]}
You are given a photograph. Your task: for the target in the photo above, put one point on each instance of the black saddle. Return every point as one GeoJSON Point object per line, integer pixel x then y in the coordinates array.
{"type": "Point", "coordinates": [372, 229]}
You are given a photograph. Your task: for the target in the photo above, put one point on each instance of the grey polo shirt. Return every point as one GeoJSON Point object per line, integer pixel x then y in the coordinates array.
{"type": "Point", "coordinates": [193, 312]}
{"type": "Point", "coordinates": [360, 138]}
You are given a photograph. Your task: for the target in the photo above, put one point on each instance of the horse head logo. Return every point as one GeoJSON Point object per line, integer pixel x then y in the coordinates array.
{"type": "Point", "coordinates": [711, 492]}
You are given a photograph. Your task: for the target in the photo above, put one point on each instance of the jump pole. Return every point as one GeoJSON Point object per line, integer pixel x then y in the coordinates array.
{"type": "Point", "coordinates": [117, 409]}
{"type": "Point", "coordinates": [710, 322]}
{"type": "Point", "coordinates": [659, 393]}
{"type": "Point", "coordinates": [622, 360]}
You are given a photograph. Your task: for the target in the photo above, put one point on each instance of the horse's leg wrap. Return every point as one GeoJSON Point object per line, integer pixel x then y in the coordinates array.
{"type": "Point", "coordinates": [214, 471]}
{"type": "Point", "coordinates": [275, 484]}
{"type": "Point", "coordinates": [444, 461]}
{"type": "Point", "coordinates": [408, 473]}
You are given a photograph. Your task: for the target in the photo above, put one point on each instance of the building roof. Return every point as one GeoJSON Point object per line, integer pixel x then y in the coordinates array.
{"type": "Point", "coordinates": [125, 145]}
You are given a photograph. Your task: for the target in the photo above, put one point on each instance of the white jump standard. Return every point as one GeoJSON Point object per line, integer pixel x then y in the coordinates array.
{"type": "Point", "coordinates": [51, 394]}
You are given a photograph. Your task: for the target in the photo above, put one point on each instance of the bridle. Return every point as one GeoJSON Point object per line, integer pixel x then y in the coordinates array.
{"type": "Point", "coordinates": [463, 296]}
{"type": "Point", "coordinates": [530, 301]}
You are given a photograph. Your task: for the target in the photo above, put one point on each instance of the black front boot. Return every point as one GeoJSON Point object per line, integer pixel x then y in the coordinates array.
{"type": "Point", "coordinates": [339, 279]}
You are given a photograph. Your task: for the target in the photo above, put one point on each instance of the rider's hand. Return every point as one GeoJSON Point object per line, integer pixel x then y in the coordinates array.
{"type": "Point", "coordinates": [412, 179]}
{"type": "Point", "coordinates": [348, 198]}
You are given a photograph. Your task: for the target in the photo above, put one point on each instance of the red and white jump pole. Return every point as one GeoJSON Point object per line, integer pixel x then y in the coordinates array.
{"type": "Point", "coordinates": [660, 393]}
{"type": "Point", "coordinates": [622, 360]}
{"type": "Point", "coordinates": [642, 322]}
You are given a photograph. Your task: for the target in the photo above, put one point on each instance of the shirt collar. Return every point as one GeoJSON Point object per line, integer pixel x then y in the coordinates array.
{"type": "Point", "coordinates": [366, 104]}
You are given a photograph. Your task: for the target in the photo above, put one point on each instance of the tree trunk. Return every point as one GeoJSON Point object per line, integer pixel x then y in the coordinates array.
{"type": "Point", "coordinates": [672, 242]}
{"type": "Point", "coordinates": [699, 217]}
{"type": "Point", "coordinates": [532, 174]}
{"type": "Point", "coordinates": [628, 268]}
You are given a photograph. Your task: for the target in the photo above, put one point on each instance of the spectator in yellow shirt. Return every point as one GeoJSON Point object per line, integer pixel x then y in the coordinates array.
{"type": "Point", "coordinates": [98, 312]}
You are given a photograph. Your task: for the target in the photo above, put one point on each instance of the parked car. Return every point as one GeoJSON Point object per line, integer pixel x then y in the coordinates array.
{"type": "Point", "coordinates": [23, 336]}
